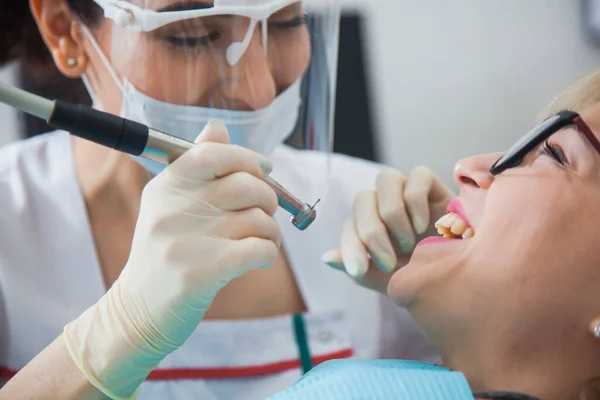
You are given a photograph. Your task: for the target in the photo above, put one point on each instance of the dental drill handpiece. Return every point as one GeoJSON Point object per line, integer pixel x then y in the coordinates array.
{"type": "Point", "coordinates": [166, 148]}
{"type": "Point", "coordinates": [132, 138]}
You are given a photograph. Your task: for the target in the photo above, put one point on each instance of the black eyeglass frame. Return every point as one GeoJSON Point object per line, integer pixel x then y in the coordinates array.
{"type": "Point", "coordinates": [515, 155]}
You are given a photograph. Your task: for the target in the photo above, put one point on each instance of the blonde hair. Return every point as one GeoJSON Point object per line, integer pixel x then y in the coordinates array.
{"type": "Point", "coordinates": [578, 95]}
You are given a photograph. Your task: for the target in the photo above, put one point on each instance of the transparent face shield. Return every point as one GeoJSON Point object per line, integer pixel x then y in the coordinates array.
{"type": "Point", "coordinates": [267, 68]}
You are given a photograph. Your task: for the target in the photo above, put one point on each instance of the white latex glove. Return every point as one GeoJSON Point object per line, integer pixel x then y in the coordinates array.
{"type": "Point", "coordinates": [206, 219]}
{"type": "Point", "coordinates": [387, 224]}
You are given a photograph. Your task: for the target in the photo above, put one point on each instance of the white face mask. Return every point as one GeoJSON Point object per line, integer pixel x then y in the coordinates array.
{"type": "Point", "coordinates": [261, 131]}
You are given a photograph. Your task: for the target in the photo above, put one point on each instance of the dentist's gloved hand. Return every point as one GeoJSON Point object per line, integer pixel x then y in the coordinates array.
{"type": "Point", "coordinates": [206, 219]}
{"type": "Point", "coordinates": [387, 224]}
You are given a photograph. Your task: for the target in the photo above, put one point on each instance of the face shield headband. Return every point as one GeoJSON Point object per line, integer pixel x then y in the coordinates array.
{"type": "Point", "coordinates": [129, 16]}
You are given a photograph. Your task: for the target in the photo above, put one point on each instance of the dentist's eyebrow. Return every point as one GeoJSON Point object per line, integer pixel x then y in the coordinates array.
{"type": "Point", "coordinates": [187, 6]}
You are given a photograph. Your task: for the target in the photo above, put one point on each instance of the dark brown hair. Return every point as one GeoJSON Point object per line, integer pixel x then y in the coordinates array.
{"type": "Point", "coordinates": [20, 39]}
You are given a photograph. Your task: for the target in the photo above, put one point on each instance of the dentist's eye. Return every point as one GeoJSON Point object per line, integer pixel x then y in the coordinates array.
{"type": "Point", "coordinates": [289, 24]}
{"type": "Point", "coordinates": [553, 151]}
{"type": "Point", "coordinates": [190, 42]}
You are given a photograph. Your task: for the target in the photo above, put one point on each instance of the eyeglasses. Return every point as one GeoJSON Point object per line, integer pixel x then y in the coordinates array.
{"type": "Point", "coordinates": [514, 156]}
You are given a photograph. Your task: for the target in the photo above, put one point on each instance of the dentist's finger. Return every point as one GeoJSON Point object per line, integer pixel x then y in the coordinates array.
{"type": "Point", "coordinates": [208, 161]}
{"type": "Point", "coordinates": [372, 231]}
{"type": "Point", "coordinates": [390, 196]}
{"type": "Point", "coordinates": [374, 278]}
{"type": "Point", "coordinates": [215, 131]}
{"type": "Point", "coordinates": [424, 190]}
{"type": "Point", "coordinates": [354, 254]}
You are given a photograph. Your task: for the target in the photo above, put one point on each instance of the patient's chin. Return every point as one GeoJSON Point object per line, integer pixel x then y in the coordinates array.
{"type": "Point", "coordinates": [408, 284]}
{"type": "Point", "coordinates": [430, 270]}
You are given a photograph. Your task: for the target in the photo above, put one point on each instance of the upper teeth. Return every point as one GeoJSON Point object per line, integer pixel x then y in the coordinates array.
{"type": "Point", "coordinates": [453, 226]}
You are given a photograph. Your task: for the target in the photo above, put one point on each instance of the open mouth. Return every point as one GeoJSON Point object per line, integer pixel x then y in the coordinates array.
{"type": "Point", "coordinates": [455, 225]}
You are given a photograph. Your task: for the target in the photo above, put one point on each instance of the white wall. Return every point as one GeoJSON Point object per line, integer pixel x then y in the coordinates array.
{"type": "Point", "coordinates": [8, 118]}
{"type": "Point", "coordinates": [457, 77]}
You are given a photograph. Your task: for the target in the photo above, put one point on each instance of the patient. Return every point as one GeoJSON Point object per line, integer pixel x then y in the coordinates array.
{"type": "Point", "coordinates": [513, 305]}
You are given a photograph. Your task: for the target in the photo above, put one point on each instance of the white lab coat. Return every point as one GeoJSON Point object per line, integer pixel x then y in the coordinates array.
{"type": "Point", "coordinates": [49, 274]}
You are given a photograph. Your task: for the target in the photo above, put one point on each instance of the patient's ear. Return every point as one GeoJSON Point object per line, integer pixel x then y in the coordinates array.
{"type": "Point", "coordinates": [590, 390]}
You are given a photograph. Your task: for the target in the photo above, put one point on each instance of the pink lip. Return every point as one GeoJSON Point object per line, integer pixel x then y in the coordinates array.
{"type": "Point", "coordinates": [434, 239]}
{"type": "Point", "coordinates": [456, 207]}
